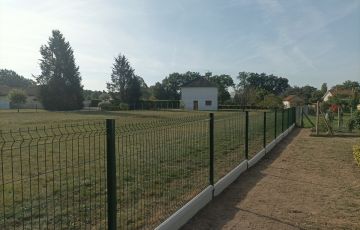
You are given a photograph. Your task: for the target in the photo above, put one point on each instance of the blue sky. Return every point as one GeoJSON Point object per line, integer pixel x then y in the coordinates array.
{"type": "Point", "coordinates": [308, 42]}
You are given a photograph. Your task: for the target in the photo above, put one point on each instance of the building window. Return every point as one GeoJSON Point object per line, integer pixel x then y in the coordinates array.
{"type": "Point", "coordinates": [208, 103]}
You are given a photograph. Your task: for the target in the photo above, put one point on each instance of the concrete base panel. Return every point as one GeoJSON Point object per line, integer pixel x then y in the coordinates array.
{"type": "Point", "coordinates": [224, 182]}
{"type": "Point", "coordinates": [184, 214]}
{"type": "Point", "coordinates": [256, 158]}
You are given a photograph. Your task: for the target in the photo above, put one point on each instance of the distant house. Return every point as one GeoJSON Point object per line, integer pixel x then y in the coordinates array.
{"type": "Point", "coordinates": [292, 100]}
{"type": "Point", "coordinates": [337, 91]}
{"type": "Point", "coordinates": [199, 94]}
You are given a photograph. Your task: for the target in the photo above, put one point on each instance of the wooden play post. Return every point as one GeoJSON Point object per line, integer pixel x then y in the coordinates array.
{"type": "Point", "coordinates": [317, 118]}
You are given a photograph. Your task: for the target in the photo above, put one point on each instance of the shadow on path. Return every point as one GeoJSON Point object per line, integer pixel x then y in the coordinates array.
{"type": "Point", "coordinates": [225, 206]}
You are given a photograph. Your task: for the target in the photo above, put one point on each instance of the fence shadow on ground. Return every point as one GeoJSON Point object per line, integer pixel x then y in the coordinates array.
{"type": "Point", "coordinates": [226, 203]}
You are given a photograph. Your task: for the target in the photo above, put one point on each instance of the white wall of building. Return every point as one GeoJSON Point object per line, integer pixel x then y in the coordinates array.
{"type": "Point", "coordinates": [327, 96]}
{"type": "Point", "coordinates": [286, 104]}
{"type": "Point", "coordinates": [200, 94]}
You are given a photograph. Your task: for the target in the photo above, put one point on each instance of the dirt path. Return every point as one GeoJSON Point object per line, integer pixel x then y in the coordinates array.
{"type": "Point", "coordinates": [304, 183]}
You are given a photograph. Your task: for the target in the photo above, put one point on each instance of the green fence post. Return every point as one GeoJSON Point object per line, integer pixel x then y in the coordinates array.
{"type": "Point", "coordinates": [294, 116]}
{"type": "Point", "coordinates": [264, 141]}
{"type": "Point", "coordinates": [247, 134]}
{"type": "Point", "coordinates": [289, 118]}
{"type": "Point", "coordinates": [275, 123]}
{"type": "Point", "coordinates": [282, 120]}
{"type": "Point", "coordinates": [111, 173]}
{"type": "Point", "coordinates": [211, 167]}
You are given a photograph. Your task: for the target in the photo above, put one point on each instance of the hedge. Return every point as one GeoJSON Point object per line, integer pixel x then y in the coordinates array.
{"type": "Point", "coordinates": [356, 151]}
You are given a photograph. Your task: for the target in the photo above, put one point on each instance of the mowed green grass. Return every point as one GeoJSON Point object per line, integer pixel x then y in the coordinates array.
{"type": "Point", "coordinates": [54, 177]}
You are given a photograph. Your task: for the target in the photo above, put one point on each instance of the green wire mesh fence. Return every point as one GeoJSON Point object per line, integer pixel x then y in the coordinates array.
{"type": "Point", "coordinates": [58, 177]}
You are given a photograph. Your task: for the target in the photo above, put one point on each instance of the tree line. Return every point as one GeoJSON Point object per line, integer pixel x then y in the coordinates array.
{"type": "Point", "coordinates": [60, 88]}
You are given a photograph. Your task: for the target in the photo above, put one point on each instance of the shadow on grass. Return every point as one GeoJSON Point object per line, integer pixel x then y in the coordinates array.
{"type": "Point", "coordinates": [225, 206]}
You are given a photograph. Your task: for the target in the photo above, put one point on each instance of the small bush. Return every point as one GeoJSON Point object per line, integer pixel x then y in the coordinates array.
{"type": "Point", "coordinates": [354, 122]}
{"type": "Point", "coordinates": [124, 106]}
{"type": "Point", "coordinates": [105, 105]}
{"type": "Point", "coordinates": [356, 152]}
{"type": "Point", "coordinates": [108, 106]}
{"type": "Point", "coordinates": [95, 103]}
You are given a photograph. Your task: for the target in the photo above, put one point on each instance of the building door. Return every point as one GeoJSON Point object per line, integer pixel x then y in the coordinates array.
{"type": "Point", "coordinates": [196, 105]}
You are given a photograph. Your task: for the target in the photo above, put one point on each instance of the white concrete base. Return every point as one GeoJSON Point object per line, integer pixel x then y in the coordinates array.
{"type": "Point", "coordinates": [270, 146]}
{"type": "Point", "coordinates": [184, 214]}
{"type": "Point", "coordinates": [256, 158]}
{"type": "Point", "coordinates": [229, 178]}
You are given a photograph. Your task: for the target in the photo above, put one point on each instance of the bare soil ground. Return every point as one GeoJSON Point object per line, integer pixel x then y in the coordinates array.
{"type": "Point", "coordinates": [304, 183]}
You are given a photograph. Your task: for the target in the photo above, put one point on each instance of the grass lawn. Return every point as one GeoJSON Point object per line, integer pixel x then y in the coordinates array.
{"type": "Point", "coordinates": [54, 177]}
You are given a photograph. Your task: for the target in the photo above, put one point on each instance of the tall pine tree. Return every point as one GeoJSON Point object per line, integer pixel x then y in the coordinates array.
{"type": "Point", "coordinates": [60, 80]}
{"type": "Point", "coordinates": [125, 85]}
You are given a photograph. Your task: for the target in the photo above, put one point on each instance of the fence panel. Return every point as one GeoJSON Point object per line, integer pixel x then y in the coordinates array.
{"type": "Point", "coordinates": [229, 142]}
{"type": "Point", "coordinates": [270, 126]}
{"type": "Point", "coordinates": [161, 166]}
{"type": "Point", "coordinates": [53, 177]}
{"type": "Point", "coordinates": [279, 123]}
{"type": "Point", "coordinates": [56, 177]}
{"type": "Point", "coordinates": [256, 127]}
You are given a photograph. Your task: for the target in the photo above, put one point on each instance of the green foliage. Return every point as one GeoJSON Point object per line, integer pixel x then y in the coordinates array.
{"type": "Point", "coordinates": [125, 85]}
{"type": "Point", "coordinates": [105, 105]}
{"type": "Point", "coordinates": [354, 121]}
{"type": "Point", "coordinates": [12, 79]}
{"type": "Point", "coordinates": [104, 97]}
{"type": "Point", "coordinates": [60, 80]}
{"type": "Point", "coordinates": [94, 102]}
{"type": "Point", "coordinates": [351, 85]}
{"type": "Point", "coordinates": [270, 83]}
{"type": "Point", "coordinates": [124, 106]}
{"type": "Point", "coordinates": [108, 106]}
{"type": "Point", "coordinates": [17, 97]}
{"type": "Point", "coordinates": [324, 88]}
{"type": "Point", "coordinates": [223, 82]}
{"type": "Point", "coordinates": [91, 94]}
{"type": "Point", "coordinates": [309, 93]}
{"type": "Point", "coordinates": [356, 152]}
{"type": "Point", "coordinates": [169, 88]}
{"type": "Point", "coordinates": [171, 84]}
{"type": "Point", "coordinates": [271, 101]}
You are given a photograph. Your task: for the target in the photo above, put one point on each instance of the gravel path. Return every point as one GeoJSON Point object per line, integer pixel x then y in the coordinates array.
{"type": "Point", "coordinates": [304, 183]}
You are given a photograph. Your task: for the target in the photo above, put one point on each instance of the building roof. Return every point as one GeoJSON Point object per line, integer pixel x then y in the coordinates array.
{"type": "Point", "coordinates": [199, 82]}
{"type": "Point", "coordinates": [292, 98]}
{"type": "Point", "coordinates": [341, 91]}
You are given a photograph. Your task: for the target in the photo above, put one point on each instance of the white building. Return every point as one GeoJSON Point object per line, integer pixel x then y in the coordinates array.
{"type": "Point", "coordinates": [199, 94]}
{"type": "Point", "coordinates": [291, 101]}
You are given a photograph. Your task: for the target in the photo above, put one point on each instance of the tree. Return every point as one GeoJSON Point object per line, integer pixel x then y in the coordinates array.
{"type": "Point", "coordinates": [104, 97]}
{"type": "Point", "coordinates": [158, 91]}
{"type": "Point", "coordinates": [12, 79]}
{"type": "Point", "coordinates": [60, 80]}
{"type": "Point", "coordinates": [351, 85]}
{"type": "Point", "coordinates": [271, 101]}
{"type": "Point", "coordinates": [125, 85]}
{"type": "Point", "coordinates": [223, 82]}
{"type": "Point", "coordinates": [270, 83]}
{"type": "Point", "coordinates": [17, 97]}
{"type": "Point", "coordinates": [174, 81]}
{"type": "Point", "coordinates": [90, 94]}
{"type": "Point", "coordinates": [133, 91]}
{"type": "Point", "coordinates": [324, 88]}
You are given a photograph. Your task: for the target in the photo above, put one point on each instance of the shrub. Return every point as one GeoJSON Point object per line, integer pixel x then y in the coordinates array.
{"type": "Point", "coordinates": [105, 105]}
{"type": "Point", "coordinates": [354, 122]}
{"type": "Point", "coordinates": [124, 106]}
{"type": "Point", "coordinates": [17, 98]}
{"type": "Point", "coordinates": [108, 106]}
{"type": "Point", "coordinates": [356, 152]}
{"type": "Point", "coordinates": [94, 103]}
